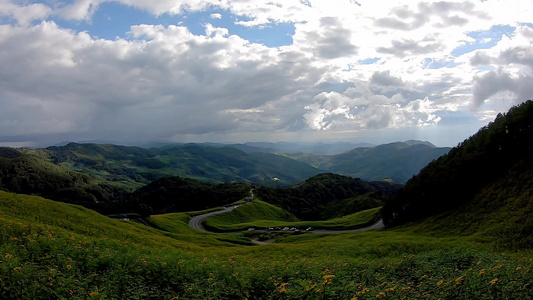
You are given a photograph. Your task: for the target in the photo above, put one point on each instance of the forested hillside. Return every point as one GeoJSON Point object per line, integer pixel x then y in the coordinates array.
{"type": "Point", "coordinates": [28, 174]}
{"type": "Point", "coordinates": [328, 196]}
{"type": "Point", "coordinates": [135, 167]}
{"type": "Point", "coordinates": [176, 194]}
{"type": "Point", "coordinates": [488, 177]}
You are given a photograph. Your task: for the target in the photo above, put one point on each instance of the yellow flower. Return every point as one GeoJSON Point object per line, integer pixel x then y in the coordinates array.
{"type": "Point", "coordinates": [518, 268]}
{"type": "Point", "coordinates": [69, 267]}
{"type": "Point", "coordinates": [9, 256]}
{"type": "Point", "coordinates": [381, 295]}
{"type": "Point", "coordinates": [283, 287]}
{"type": "Point", "coordinates": [354, 298]}
{"type": "Point", "coordinates": [494, 281]}
{"type": "Point", "coordinates": [482, 272]}
{"type": "Point", "coordinates": [459, 280]}
{"type": "Point", "coordinates": [362, 292]}
{"type": "Point", "coordinates": [93, 294]}
{"type": "Point", "coordinates": [16, 269]}
{"type": "Point", "coordinates": [311, 288]}
{"type": "Point", "coordinates": [327, 279]}
{"type": "Point", "coordinates": [440, 283]}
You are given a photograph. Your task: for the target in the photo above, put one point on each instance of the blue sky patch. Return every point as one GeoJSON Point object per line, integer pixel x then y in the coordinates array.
{"type": "Point", "coordinates": [484, 39]}
{"type": "Point", "coordinates": [113, 20]}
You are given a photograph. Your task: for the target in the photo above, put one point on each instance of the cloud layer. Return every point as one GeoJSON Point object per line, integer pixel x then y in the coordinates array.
{"type": "Point", "coordinates": [353, 67]}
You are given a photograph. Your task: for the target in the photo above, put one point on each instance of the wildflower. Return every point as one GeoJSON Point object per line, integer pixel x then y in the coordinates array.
{"type": "Point", "coordinates": [405, 289]}
{"type": "Point", "coordinates": [354, 298]}
{"type": "Point", "coordinates": [381, 295]}
{"type": "Point", "coordinates": [482, 272]}
{"type": "Point", "coordinates": [327, 279]}
{"type": "Point", "coordinates": [494, 281]}
{"type": "Point", "coordinates": [362, 292]}
{"type": "Point", "coordinates": [69, 267]}
{"type": "Point", "coordinates": [9, 256]}
{"type": "Point", "coordinates": [311, 288]}
{"type": "Point", "coordinates": [16, 268]}
{"type": "Point", "coordinates": [93, 294]}
{"type": "Point", "coordinates": [518, 268]}
{"type": "Point", "coordinates": [440, 283]}
{"type": "Point", "coordinates": [283, 287]}
{"type": "Point", "coordinates": [459, 280]}
{"type": "Point", "coordinates": [478, 263]}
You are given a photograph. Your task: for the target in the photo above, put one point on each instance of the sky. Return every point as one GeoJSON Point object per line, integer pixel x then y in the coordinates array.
{"type": "Point", "coordinates": [231, 71]}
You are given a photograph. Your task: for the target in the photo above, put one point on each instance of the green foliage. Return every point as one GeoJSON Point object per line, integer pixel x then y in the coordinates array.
{"type": "Point", "coordinates": [487, 179]}
{"type": "Point", "coordinates": [319, 197]}
{"type": "Point", "coordinates": [54, 250]}
{"type": "Point", "coordinates": [176, 194]}
{"type": "Point", "coordinates": [133, 166]}
{"type": "Point", "coordinates": [30, 174]}
{"type": "Point", "coordinates": [248, 213]}
{"type": "Point", "coordinates": [260, 216]}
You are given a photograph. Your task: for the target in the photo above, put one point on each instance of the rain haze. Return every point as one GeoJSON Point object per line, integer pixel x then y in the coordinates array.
{"type": "Point", "coordinates": [135, 71]}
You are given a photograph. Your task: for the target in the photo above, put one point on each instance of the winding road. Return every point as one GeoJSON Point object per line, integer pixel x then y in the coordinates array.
{"type": "Point", "coordinates": [196, 223]}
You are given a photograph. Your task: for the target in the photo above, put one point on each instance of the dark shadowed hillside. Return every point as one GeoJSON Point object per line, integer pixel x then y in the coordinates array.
{"type": "Point", "coordinates": [327, 196]}
{"type": "Point", "coordinates": [29, 174]}
{"type": "Point", "coordinates": [485, 181]}
{"type": "Point", "coordinates": [176, 194]}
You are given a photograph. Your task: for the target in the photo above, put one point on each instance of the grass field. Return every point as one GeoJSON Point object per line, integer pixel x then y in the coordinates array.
{"type": "Point", "coordinates": [55, 250]}
{"type": "Point", "coordinates": [261, 215]}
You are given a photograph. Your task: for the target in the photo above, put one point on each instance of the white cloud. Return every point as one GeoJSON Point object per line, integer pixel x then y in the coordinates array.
{"type": "Point", "coordinates": [165, 81]}
{"type": "Point", "coordinates": [24, 15]}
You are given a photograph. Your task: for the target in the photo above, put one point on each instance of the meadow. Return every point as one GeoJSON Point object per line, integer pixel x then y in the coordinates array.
{"type": "Point", "coordinates": [52, 250]}
{"type": "Point", "coordinates": [262, 215]}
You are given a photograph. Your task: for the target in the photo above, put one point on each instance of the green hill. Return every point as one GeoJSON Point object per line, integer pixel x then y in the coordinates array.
{"type": "Point", "coordinates": [483, 184]}
{"type": "Point", "coordinates": [176, 194]}
{"type": "Point", "coordinates": [30, 174]}
{"type": "Point", "coordinates": [52, 250]}
{"type": "Point", "coordinates": [247, 213]}
{"type": "Point", "coordinates": [328, 196]}
{"type": "Point", "coordinates": [261, 215]}
{"type": "Point", "coordinates": [396, 162]}
{"type": "Point", "coordinates": [133, 166]}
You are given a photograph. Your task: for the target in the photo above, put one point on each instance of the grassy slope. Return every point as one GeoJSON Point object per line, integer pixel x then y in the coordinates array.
{"type": "Point", "coordinates": [54, 250]}
{"type": "Point", "coordinates": [256, 211]}
{"type": "Point", "coordinates": [259, 214]}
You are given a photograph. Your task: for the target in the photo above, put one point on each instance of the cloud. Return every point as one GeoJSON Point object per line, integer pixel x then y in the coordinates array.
{"type": "Point", "coordinates": [360, 108]}
{"type": "Point", "coordinates": [24, 15]}
{"type": "Point", "coordinates": [166, 82]}
{"type": "Point", "coordinates": [494, 82]}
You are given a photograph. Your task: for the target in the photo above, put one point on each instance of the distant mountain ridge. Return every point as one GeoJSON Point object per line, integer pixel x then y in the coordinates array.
{"type": "Point", "coordinates": [396, 162]}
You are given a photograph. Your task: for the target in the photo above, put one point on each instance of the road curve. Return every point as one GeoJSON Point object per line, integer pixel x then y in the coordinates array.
{"type": "Point", "coordinates": [196, 223]}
